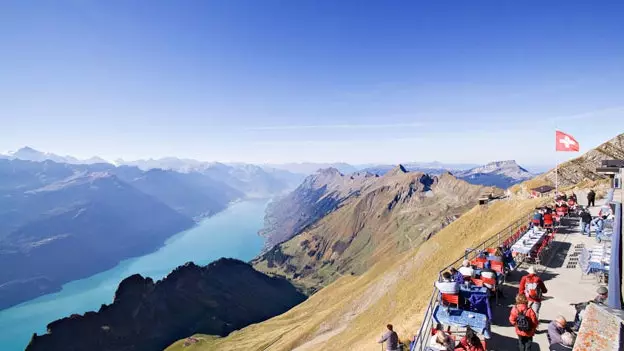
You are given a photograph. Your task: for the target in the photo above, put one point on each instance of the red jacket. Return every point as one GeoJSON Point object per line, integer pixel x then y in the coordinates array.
{"type": "Point", "coordinates": [464, 346]}
{"type": "Point", "coordinates": [532, 280]}
{"type": "Point", "coordinates": [529, 313]}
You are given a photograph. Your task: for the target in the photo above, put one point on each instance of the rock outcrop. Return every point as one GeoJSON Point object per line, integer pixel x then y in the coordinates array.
{"type": "Point", "coordinates": [216, 299]}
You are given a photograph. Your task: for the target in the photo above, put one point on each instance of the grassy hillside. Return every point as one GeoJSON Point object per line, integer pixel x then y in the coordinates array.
{"type": "Point", "coordinates": [351, 313]}
{"type": "Point", "coordinates": [388, 217]}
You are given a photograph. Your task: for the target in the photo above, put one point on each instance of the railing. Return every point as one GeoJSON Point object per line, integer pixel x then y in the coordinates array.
{"type": "Point", "coordinates": [422, 339]}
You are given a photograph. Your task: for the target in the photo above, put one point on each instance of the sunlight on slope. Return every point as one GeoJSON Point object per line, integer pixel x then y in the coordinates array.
{"type": "Point", "coordinates": [351, 313]}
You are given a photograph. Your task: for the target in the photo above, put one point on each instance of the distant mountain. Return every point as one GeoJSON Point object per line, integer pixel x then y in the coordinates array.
{"type": "Point", "coordinates": [73, 228]}
{"type": "Point", "coordinates": [310, 167]}
{"type": "Point", "coordinates": [29, 154]}
{"type": "Point", "coordinates": [501, 174]}
{"type": "Point", "coordinates": [335, 224]}
{"type": "Point", "coordinates": [252, 180]}
{"type": "Point", "coordinates": [145, 315]}
{"type": "Point", "coordinates": [60, 222]}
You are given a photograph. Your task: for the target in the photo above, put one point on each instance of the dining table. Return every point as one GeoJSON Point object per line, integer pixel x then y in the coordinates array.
{"type": "Point", "coordinates": [528, 241]}
{"type": "Point", "coordinates": [457, 317]}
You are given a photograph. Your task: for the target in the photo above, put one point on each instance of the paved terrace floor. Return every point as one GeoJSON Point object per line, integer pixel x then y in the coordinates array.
{"type": "Point", "coordinates": [564, 282]}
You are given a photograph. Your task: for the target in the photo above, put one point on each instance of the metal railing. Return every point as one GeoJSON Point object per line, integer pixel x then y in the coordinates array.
{"type": "Point", "coordinates": [422, 338]}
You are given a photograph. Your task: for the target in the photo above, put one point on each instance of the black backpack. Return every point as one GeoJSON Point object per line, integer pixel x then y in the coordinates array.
{"type": "Point", "coordinates": [522, 322]}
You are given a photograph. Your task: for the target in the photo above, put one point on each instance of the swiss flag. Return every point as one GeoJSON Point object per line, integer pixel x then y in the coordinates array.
{"type": "Point", "coordinates": [565, 142]}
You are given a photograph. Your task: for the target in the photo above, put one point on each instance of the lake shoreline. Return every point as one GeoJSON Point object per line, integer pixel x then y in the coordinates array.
{"type": "Point", "coordinates": [229, 233]}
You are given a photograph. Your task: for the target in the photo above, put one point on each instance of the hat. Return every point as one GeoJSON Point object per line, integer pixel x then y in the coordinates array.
{"type": "Point", "coordinates": [531, 270]}
{"type": "Point", "coordinates": [602, 290]}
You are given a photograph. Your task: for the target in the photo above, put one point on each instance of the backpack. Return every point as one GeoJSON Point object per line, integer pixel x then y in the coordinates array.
{"type": "Point", "coordinates": [522, 322]}
{"type": "Point", "coordinates": [532, 289]}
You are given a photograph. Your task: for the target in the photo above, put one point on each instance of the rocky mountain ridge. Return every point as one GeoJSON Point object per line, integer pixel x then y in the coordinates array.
{"type": "Point", "coordinates": [502, 174]}
{"type": "Point", "coordinates": [350, 221]}
{"type": "Point", "coordinates": [145, 315]}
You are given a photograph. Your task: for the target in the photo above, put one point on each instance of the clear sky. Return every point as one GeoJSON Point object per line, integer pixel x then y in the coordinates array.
{"type": "Point", "coordinates": [278, 81]}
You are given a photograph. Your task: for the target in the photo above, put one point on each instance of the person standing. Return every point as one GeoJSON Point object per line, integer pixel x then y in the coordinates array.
{"type": "Point", "coordinates": [533, 287]}
{"type": "Point", "coordinates": [586, 220]}
{"type": "Point", "coordinates": [525, 320]}
{"type": "Point", "coordinates": [591, 198]}
{"type": "Point", "coordinates": [392, 338]}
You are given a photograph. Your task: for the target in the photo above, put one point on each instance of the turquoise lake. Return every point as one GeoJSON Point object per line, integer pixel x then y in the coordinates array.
{"type": "Point", "coordinates": [231, 233]}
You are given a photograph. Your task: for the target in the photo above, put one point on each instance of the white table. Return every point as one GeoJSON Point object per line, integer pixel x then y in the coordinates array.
{"type": "Point", "coordinates": [528, 241]}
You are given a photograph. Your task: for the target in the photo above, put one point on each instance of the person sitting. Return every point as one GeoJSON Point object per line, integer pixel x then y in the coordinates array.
{"type": "Point", "coordinates": [441, 341]}
{"type": "Point", "coordinates": [456, 276]}
{"type": "Point", "coordinates": [470, 342]}
{"type": "Point", "coordinates": [603, 295]}
{"type": "Point", "coordinates": [447, 285]}
{"type": "Point", "coordinates": [392, 338]}
{"type": "Point", "coordinates": [466, 269]}
{"type": "Point", "coordinates": [548, 219]}
{"type": "Point", "coordinates": [496, 256]}
{"type": "Point", "coordinates": [556, 328]}
{"type": "Point", "coordinates": [601, 299]}
{"type": "Point", "coordinates": [488, 272]}
{"type": "Point", "coordinates": [566, 344]}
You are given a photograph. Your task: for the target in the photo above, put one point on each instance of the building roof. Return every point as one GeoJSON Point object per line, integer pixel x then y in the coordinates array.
{"type": "Point", "coordinates": [543, 189]}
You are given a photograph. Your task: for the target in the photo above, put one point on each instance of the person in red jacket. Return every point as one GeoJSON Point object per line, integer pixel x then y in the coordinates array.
{"type": "Point", "coordinates": [532, 286]}
{"type": "Point", "coordinates": [470, 342]}
{"type": "Point", "coordinates": [525, 320]}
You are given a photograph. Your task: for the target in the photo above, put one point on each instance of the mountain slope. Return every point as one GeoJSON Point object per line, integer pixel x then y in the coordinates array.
{"type": "Point", "coordinates": [384, 216]}
{"type": "Point", "coordinates": [216, 299]}
{"type": "Point", "coordinates": [580, 169]}
{"type": "Point", "coordinates": [318, 195]}
{"type": "Point", "coordinates": [501, 174]}
{"type": "Point", "coordinates": [350, 313]}
{"type": "Point", "coordinates": [74, 228]}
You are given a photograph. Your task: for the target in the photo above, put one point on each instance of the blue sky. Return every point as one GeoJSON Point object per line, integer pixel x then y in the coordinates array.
{"type": "Point", "coordinates": [280, 81]}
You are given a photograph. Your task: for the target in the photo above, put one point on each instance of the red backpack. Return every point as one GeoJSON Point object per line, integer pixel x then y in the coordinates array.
{"type": "Point", "coordinates": [532, 287]}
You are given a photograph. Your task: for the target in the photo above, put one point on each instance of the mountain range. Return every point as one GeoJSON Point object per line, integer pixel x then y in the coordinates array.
{"type": "Point", "coordinates": [335, 224]}
{"type": "Point", "coordinates": [372, 246]}
{"type": "Point", "coordinates": [60, 222]}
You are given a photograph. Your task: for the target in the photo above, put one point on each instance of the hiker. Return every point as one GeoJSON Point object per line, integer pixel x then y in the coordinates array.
{"type": "Point", "coordinates": [525, 320]}
{"type": "Point", "coordinates": [441, 341]}
{"type": "Point", "coordinates": [447, 285]}
{"type": "Point", "coordinates": [456, 276]}
{"type": "Point", "coordinates": [566, 344]}
{"type": "Point", "coordinates": [466, 269]}
{"type": "Point", "coordinates": [586, 220]}
{"type": "Point", "coordinates": [392, 338]}
{"type": "Point", "coordinates": [537, 219]}
{"type": "Point", "coordinates": [470, 342]}
{"type": "Point", "coordinates": [556, 328]}
{"type": "Point", "coordinates": [591, 198]}
{"type": "Point", "coordinates": [532, 286]}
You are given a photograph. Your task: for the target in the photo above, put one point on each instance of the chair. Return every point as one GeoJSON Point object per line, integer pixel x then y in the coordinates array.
{"type": "Point", "coordinates": [490, 250]}
{"type": "Point", "coordinates": [477, 282]}
{"type": "Point", "coordinates": [450, 299]}
{"type": "Point", "coordinates": [491, 282]}
{"type": "Point", "coordinates": [478, 262]}
{"type": "Point", "coordinates": [498, 267]}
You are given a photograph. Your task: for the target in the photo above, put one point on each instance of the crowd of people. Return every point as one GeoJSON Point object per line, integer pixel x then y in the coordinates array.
{"type": "Point", "coordinates": [524, 314]}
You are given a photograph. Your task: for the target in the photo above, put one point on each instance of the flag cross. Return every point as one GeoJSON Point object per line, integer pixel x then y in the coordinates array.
{"type": "Point", "coordinates": [567, 141]}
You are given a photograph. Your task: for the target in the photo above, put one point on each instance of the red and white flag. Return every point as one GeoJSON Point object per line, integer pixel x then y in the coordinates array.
{"type": "Point", "coordinates": [565, 142]}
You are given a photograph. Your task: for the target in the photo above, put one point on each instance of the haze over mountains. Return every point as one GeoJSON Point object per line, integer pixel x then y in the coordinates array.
{"type": "Point", "coordinates": [61, 221]}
